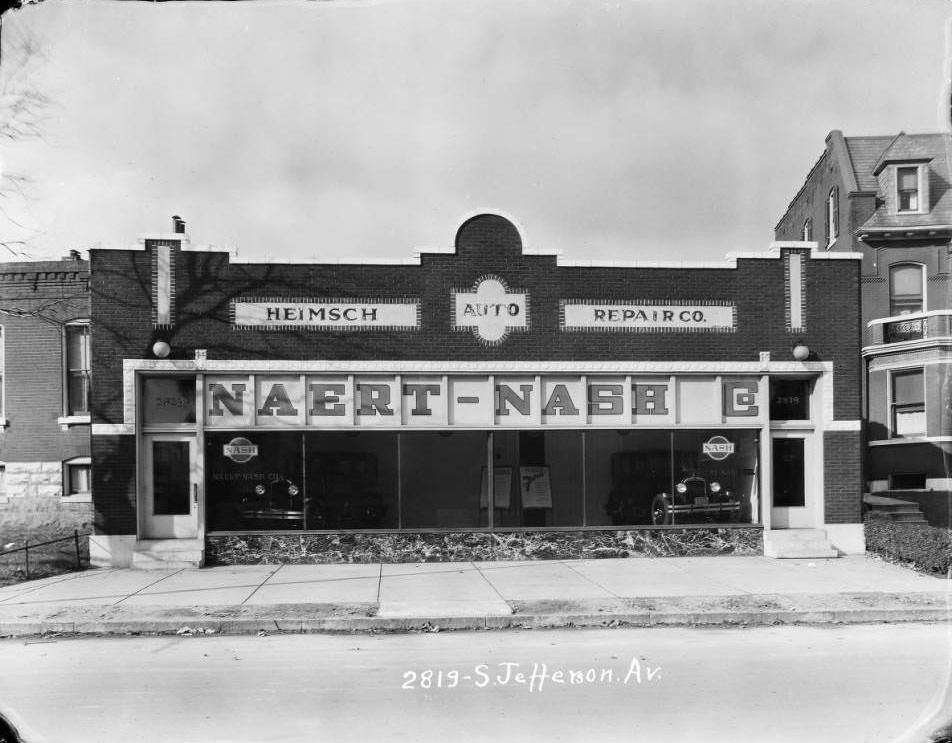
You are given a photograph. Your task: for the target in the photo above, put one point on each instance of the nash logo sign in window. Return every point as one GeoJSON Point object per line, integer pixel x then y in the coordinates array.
{"type": "Point", "coordinates": [240, 450]}
{"type": "Point", "coordinates": [717, 448]}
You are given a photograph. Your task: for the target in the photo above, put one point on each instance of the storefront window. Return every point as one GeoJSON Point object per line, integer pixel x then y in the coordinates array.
{"type": "Point", "coordinates": [351, 480]}
{"type": "Point", "coordinates": [254, 481]}
{"type": "Point", "coordinates": [538, 478]}
{"type": "Point", "coordinates": [441, 479]}
{"type": "Point", "coordinates": [334, 480]}
{"type": "Point", "coordinates": [669, 477]}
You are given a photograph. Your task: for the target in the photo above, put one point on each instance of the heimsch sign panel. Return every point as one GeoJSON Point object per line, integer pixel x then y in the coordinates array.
{"type": "Point", "coordinates": [477, 401]}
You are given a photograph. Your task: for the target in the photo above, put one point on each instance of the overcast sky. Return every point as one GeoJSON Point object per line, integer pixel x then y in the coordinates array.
{"type": "Point", "coordinates": [672, 130]}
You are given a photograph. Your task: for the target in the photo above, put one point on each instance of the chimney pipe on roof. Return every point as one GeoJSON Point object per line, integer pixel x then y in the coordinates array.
{"type": "Point", "coordinates": [178, 225]}
{"type": "Point", "coordinates": [74, 255]}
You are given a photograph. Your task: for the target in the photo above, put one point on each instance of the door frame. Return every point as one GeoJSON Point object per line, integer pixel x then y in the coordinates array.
{"type": "Point", "coordinates": [185, 526]}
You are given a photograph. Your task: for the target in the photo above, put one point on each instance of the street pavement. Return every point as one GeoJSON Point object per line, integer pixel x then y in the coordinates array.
{"type": "Point", "coordinates": [684, 591]}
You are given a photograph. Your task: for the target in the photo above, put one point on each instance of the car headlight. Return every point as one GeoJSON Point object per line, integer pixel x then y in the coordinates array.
{"type": "Point", "coordinates": [681, 487]}
{"type": "Point", "coordinates": [715, 487]}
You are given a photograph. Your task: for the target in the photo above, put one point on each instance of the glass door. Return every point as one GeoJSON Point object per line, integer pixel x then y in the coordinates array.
{"type": "Point", "coordinates": [169, 487]}
{"type": "Point", "coordinates": [791, 501]}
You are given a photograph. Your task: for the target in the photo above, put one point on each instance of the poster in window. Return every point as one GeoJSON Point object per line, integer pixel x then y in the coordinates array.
{"type": "Point", "coordinates": [502, 485]}
{"type": "Point", "coordinates": [535, 488]}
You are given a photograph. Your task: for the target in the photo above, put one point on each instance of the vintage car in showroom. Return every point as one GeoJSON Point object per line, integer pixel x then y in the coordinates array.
{"type": "Point", "coordinates": [695, 499]}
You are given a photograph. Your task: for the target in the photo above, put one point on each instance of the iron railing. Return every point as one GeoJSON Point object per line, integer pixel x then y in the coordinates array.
{"type": "Point", "coordinates": [35, 545]}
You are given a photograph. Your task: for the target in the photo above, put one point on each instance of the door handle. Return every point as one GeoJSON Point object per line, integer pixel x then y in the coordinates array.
{"type": "Point", "coordinates": [195, 493]}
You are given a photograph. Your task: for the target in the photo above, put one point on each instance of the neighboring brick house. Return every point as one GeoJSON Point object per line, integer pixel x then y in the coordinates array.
{"type": "Point", "coordinates": [477, 402]}
{"type": "Point", "coordinates": [889, 198]}
{"type": "Point", "coordinates": [44, 396]}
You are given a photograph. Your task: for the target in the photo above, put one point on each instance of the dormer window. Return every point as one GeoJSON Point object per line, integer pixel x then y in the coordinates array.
{"type": "Point", "coordinates": [907, 189]}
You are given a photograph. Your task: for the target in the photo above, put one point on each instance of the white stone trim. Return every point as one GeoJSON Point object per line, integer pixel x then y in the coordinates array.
{"type": "Point", "coordinates": [856, 425]}
{"type": "Point", "coordinates": [900, 441]}
{"type": "Point", "coordinates": [111, 550]}
{"type": "Point", "coordinates": [847, 538]}
{"type": "Point", "coordinates": [74, 420]}
{"type": "Point", "coordinates": [112, 429]}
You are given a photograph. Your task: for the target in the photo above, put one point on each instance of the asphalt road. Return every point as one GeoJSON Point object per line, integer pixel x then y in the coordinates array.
{"type": "Point", "coordinates": [844, 683]}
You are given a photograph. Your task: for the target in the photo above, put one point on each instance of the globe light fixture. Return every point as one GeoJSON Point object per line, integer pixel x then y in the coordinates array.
{"type": "Point", "coordinates": [161, 349]}
{"type": "Point", "coordinates": [801, 352]}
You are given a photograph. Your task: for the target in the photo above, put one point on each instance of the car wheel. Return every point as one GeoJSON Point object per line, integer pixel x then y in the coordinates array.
{"type": "Point", "coordinates": [660, 510]}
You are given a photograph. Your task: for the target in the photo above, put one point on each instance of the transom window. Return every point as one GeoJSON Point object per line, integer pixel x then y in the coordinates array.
{"type": "Point", "coordinates": [905, 288]}
{"type": "Point", "coordinates": [907, 189]}
{"type": "Point", "coordinates": [908, 403]}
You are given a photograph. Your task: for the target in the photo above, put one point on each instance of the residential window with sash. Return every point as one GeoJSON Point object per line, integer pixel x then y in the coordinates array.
{"type": "Point", "coordinates": [907, 189]}
{"type": "Point", "coordinates": [77, 369]}
{"type": "Point", "coordinates": [906, 281]}
{"type": "Point", "coordinates": [832, 216]}
{"type": "Point", "coordinates": [76, 478]}
{"type": "Point", "coordinates": [908, 403]}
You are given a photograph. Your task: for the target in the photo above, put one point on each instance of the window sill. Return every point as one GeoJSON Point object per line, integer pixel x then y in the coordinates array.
{"type": "Point", "coordinates": [74, 420]}
{"type": "Point", "coordinates": [77, 498]}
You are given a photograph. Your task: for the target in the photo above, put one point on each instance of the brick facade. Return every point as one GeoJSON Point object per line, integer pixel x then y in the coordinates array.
{"type": "Point", "coordinates": [754, 287]}
{"type": "Point", "coordinates": [38, 300]}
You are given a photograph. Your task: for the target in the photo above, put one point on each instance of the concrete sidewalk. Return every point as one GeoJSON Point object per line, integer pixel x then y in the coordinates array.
{"type": "Point", "coordinates": [484, 595]}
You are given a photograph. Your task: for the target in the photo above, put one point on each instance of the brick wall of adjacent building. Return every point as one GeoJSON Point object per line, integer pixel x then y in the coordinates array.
{"type": "Point", "coordinates": [37, 299]}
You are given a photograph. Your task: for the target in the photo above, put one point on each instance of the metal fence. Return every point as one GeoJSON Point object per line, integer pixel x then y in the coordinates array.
{"type": "Point", "coordinates": [38, 555]}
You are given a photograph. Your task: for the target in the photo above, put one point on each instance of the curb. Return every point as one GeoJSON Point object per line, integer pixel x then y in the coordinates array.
{"type": "Point", "coordinates": [363, 624]}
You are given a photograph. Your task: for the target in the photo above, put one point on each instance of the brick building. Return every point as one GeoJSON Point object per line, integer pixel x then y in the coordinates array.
{"type": "Point", "coordinates": [888, 198]}
{"type": "Point", "coordinates": [479, 402]}
{"type": "Point", "coordinates": [44, 396]}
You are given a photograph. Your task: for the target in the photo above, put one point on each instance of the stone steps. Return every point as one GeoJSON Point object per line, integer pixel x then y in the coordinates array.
{"type": "Point", "coordinates": [798, 543]}
{"type": "Point", "coordinates": [897, 510]}
{"type": "Point", "coordinates": [163, 554]}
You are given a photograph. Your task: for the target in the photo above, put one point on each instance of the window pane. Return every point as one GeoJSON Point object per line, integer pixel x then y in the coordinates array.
{"type": "Point", "coordinates": [254, 481]}
{"type": "Point", "coordinates": [789, 399]}
{"type": "Point", "coordinates": [351, 480]}
{"type": "Point", "coordinates": [910, 423]}
{"type": "Point", "coordinates": [78, 393]}
{"type": "Point", "coordinates": [168, 401]}
{"type": "Point", "coordinates": [908, 179]}
{"type": "Point", "coordinates": [78, 478]}
{"type": "Point", "coordinates": [77, 347]}
{"type": "Point", "coordinates": [441, 478]}
{"type": "Point", "coordinates": [170, 478]}
{"type": "Point", "coordinates": [908, 388]}
{"type": "Point", "coordinates": [788, 473]}
{"type": "Point", "coordinates": [544, 486]}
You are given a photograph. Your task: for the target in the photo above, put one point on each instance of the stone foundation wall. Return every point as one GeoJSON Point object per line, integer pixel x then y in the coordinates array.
{"type": "Point", "coordinates": [479, 546]}
{"type": "Point", "coordinates": [32, 500]}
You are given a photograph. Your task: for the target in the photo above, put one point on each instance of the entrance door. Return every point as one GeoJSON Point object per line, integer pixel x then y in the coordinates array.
{"type": "Point", "coordinates": [792, 493]}
{"type": "Point", "coordinates": [169, 487]}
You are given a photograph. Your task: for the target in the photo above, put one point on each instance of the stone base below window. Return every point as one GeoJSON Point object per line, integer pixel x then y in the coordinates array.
{"type": "Point", "coordinates": [480, 546]}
